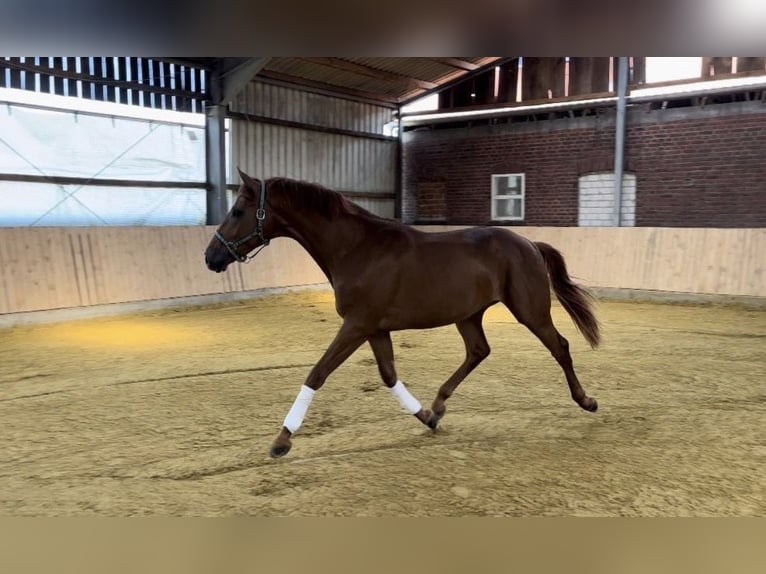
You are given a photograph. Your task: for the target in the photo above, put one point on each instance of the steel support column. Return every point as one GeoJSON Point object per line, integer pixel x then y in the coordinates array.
{"type": "Point", "coordinates": [215, 155]}
{"type": "Point", "coordinates": [619, 137]}
{"type": "Point", "coordinates": [399, 167]}
{"type": "Point", "coordinates": [231, 75]}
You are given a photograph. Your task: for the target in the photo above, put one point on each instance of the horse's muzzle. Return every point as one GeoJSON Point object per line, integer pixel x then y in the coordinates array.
{"type": "Point", "coordinates": [217, 261]}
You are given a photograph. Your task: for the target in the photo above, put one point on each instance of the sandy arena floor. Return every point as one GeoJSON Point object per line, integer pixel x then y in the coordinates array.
{"type": "Point", "coordinates": [173, 412]}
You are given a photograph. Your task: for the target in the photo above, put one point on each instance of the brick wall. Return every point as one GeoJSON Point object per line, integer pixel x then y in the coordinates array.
{"type": "Point", "coordinates": [694, 167]}
{"type": "Point", "coordinates": [700, 172]}
{"type": "Point", "coordinates": [432, 205]}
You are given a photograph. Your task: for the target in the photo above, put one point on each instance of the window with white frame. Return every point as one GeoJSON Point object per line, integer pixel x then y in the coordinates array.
{"type": "Point", "coordinates": [508, 197]}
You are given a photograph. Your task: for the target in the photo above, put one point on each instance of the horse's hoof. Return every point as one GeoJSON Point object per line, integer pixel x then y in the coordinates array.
{"type": "Point", "coordinates": [280, 450]}
{"type": "Point", "coordinates": [591, 405]}
{"type": "Point", "coordinates": [433, 420]}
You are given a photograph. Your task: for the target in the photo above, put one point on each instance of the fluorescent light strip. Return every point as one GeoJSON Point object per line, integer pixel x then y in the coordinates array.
{"type": "Point", "coordinates": [703, 86]}
{"type": "Point", "coordinates": [506, 110]}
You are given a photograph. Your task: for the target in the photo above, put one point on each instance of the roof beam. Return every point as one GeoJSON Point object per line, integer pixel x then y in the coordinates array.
{"type": "Point", "coordinates": [458, 63]}
{"type": "Point", "coordinates": [231, 75]}
{"type": "Point", "coordinates": [385, 75]}
{"type": "Point", "coordinates": [327, 88]}
{"type": "Point", "coordinates": [236, 78]}
{"type": "Point", "coordinates": [456, 77]}
{"type": "Point", "coordinates": [194, 63]}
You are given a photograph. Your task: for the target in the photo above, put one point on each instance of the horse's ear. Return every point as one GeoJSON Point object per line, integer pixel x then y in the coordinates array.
{"type": "Point", "coordinates": [244, 177]}
{"type": "Point", "coordinates": [251, 184]}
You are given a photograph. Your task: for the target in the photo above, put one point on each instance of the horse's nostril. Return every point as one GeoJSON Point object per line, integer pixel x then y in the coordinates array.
{"type": "Point", "coordinates": [210, 262]}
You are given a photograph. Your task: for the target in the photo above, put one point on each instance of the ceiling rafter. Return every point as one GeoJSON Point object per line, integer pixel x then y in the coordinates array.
{"type": "Point", "coordinates": [459, 64]}
{"type": "Point", "coordinates": [389, 82]}
{"type": "Point", "coordinates": [460, 76]}
{"type": "Point", "coordinates": [326, 87]}
{"type": "Point", "coordinates": [341, 64]}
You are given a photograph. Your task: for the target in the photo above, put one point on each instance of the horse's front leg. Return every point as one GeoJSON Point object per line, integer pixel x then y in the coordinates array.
{"type": "Point", "coordinates": [348, 340]}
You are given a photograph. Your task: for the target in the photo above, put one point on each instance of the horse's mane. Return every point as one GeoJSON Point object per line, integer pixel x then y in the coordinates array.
{"type": "Point", "coordinates": [300, 195]}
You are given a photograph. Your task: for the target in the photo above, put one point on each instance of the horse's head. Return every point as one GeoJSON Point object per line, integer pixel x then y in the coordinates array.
{"type": "Point", "coordinates": [242, 230]}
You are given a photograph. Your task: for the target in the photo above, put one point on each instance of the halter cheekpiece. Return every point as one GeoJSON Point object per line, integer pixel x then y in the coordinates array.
{"type": "Point", "coordinates": [260, 215]}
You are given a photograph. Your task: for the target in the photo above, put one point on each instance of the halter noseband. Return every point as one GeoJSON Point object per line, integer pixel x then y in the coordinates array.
{"type": "Point", "coordinates": [260, 215]}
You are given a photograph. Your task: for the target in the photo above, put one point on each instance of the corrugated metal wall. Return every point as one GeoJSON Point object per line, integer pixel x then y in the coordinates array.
{"type": "Point", "coordinates": [364, 163]}
{"type": "Point", "coordinates": [260, 98]}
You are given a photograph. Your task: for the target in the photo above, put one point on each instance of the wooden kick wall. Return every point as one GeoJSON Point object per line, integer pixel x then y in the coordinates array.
{"type": "Point", "coordinates": [685, 260]}
{"type": "Point", "coordinates": [53, 268]}
{"type": "Point", "coordinates": [57, 267]}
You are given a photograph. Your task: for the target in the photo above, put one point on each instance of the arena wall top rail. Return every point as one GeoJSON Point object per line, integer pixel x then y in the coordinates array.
{"type": "Point", "coordinates": [69, 267]}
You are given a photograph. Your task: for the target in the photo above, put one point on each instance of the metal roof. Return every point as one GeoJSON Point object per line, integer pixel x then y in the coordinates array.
{"type": "Point", "coordinates": [392, 81]}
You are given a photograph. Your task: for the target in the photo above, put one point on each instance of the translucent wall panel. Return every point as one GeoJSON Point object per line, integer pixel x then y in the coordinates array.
{"type": "Point", "coordinates": [38, 204]}
{"type": "Point", "coordinates": [47, 142]}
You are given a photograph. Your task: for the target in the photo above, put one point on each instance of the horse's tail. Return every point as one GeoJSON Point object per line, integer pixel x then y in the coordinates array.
{"type": "Point", "coordinates": [577, 300]}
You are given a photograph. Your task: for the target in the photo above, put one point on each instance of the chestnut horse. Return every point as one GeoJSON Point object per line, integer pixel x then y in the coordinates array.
{"type": "Point", "coordinates": [389, 277]}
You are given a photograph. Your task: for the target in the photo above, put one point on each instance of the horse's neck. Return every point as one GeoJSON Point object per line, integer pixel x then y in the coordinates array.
{"type": "Point", "coordinates": [327, 241]}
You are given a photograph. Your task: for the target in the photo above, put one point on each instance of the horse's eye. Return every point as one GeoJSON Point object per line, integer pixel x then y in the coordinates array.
{"type": "Point", "coordinates": [236, 213]}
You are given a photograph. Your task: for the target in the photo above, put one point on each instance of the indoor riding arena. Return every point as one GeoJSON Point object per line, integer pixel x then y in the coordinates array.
{"type": "Point", "coordinates": [135, 381]}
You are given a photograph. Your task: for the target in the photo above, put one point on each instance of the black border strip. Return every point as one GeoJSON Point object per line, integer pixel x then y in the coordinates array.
{"type": "Point", "coordinates": [311, 127]}
{"type": "Point", "coordinates": [68, 180]}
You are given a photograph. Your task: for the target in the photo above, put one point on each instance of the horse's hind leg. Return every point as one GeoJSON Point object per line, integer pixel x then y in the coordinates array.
{"type": "Point", "coordinates": [384, 355]}
{"type": "Point", "coordinates": [535, 314]}
{"type": "Point", "coordinates": [476, 350]}
{"type": "Point", "coordinates": [559, 348]}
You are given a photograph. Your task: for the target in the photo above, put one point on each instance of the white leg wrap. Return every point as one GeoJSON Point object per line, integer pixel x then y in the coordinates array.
{"type": "Point", "coordinates": [294, 417]}
{"type": "Point", "coordinates": [408, 402]}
